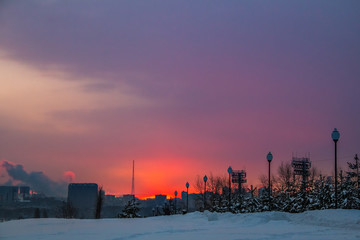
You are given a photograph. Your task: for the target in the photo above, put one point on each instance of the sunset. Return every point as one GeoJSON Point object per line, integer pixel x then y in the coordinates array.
{"type": "Point", "coordinates": [182, 88]}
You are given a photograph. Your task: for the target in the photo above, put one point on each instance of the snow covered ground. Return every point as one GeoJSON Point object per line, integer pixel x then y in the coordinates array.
{"type": "Point", "coordinates": [326, 224]}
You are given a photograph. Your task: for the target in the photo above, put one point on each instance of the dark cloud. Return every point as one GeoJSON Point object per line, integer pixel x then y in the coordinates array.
{"type": "Point", "coordinates": [37, 181]}
{"type": "Point", "coordinates": [165, 39]}
{"type": "Point", "coordinates": [171, 50]}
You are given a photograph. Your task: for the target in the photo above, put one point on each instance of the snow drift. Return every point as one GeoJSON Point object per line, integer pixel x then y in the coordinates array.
{"type": "Point", "coordinates": [319, 224]}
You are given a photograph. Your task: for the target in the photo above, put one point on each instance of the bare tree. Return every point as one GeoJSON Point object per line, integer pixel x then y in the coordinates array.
{"type": "Point", "coordinates": [264, 180]}
{"type": "Point", "coordinates": [199, 184]}
{"type": "Point", "coordinates": [284, 176]}
{"type": "Point", "coordinates": [216, 184]}
{"type": "Point", "coordinates": [67, 211]}
{"type": "Point", "coordinates": [99, 203]}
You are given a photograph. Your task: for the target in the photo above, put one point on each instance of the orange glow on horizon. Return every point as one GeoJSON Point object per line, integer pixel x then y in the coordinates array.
{"type": "Point", "coordinates": [146, 197]}
{"type": "Point", "coordinates": [160, 176]}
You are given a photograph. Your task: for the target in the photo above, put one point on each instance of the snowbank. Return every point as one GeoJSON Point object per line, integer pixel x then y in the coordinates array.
{"type": "Point", "coordinates": [325, 224]}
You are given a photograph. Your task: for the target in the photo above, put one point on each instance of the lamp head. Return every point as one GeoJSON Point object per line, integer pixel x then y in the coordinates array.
{"type": "Point", "coordinates": [335, 135]}
{"type": "Point", "coordinates": [269, 157]}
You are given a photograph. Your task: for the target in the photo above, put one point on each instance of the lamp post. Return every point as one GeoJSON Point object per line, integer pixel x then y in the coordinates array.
{"type": "Point", "coordinates": [205, 179]}
{"type": "Point", "coordinates": [335, 137]}
{"type": "Point", "coordinates": [230, 172]}
{"type": "Point", "coordinates": [175, 199]}
{"type": "Point", "coordinates": [187, 196]}
{"type": "Point", "coordinates": [269, 157]}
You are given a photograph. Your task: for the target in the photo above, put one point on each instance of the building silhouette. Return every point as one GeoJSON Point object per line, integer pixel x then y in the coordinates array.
{"type": "Point", "coordinates": [160, 199]}
{"type": "Point", "coordinates": [83, 197]}
{"type": "Point", "coordinates": [9, 194]}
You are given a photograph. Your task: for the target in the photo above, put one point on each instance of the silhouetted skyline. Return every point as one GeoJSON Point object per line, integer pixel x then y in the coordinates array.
{"type": "Point", "coordinates": [185, 88]}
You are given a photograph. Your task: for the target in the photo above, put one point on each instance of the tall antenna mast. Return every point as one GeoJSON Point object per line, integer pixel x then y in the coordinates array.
{"type": "Point", "coordinates": [133, 184]}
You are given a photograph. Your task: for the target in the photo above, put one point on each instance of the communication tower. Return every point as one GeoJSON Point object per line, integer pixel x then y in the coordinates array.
{"type": "Point", "coordinates": [133, 180]}
{"type": "Point", "coordinates": [239, 177]}
{"type": "Point", "coordinates": [301, 167]}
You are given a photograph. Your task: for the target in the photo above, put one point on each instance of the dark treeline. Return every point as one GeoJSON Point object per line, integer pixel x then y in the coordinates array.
{"type": "Point", "coordinates": [289, 192]}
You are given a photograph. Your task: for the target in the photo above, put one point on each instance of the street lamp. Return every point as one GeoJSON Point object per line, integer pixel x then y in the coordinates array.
{"type": "Point", "coordinates": [187, 196]}
{"type": "Point", "coordinates": [230, 172]}
{"type": "Point", "coordinates": [175, 199]}
{"type": "Point", "coordinates": [269, 157]}
{"type": "Point", "coordinates": [205, 179]}
{"type": "Point", "coordinates": [335, 137]}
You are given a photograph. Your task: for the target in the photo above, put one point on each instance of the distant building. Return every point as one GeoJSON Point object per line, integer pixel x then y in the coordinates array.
{"type": "Point", "coordinates": [160, 199]}
{"type": "Point", "coordinates": [127, 198]}
{"type": "Point", "coordinates": [183, 195]}
{"type": "Point", "coordinates": [24, 192]}
{"type": "Point", "coordinates": [109, 199]}
{"type": "Point", "coordinates": [83, 197]}
{"type": "Point", "coordinates": [10, 194]}
{"type": "Point", "coordinates": [193, 197]}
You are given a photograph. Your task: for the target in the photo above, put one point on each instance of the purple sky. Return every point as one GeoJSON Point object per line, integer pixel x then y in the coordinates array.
{"type": "Point", "coordinates": [182, 87]}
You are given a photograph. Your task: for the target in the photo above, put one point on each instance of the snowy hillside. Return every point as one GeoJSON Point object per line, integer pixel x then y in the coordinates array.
{"type": "Point", "coordinates": [326, 224]}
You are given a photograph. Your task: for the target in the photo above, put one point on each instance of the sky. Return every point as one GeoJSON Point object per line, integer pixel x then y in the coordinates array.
{"type": "Point", "coordinates": [184, 88]}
